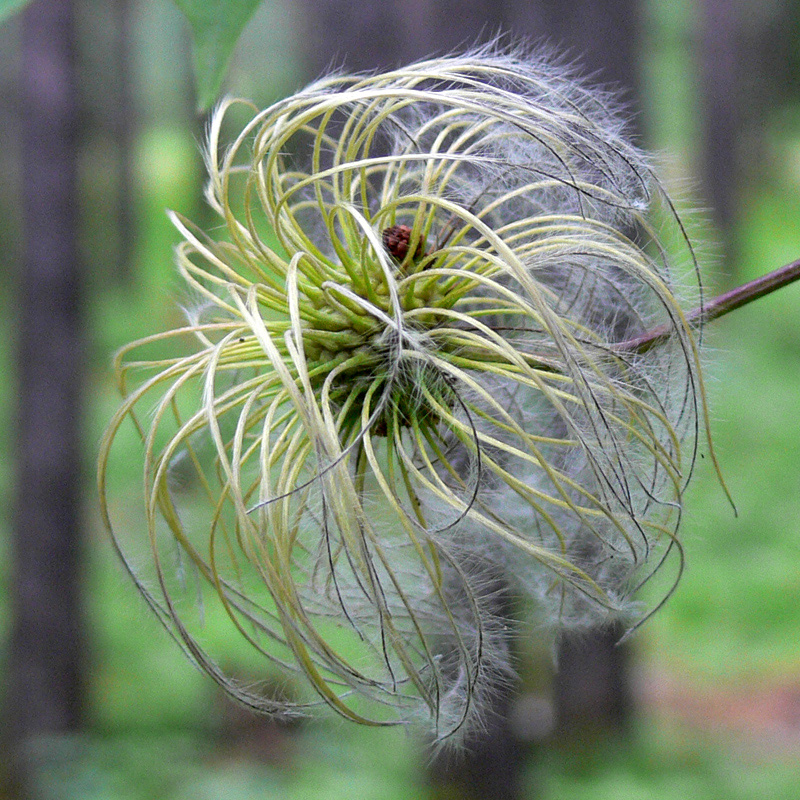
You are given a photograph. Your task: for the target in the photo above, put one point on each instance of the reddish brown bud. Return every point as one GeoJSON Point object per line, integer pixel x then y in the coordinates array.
{"type": "Point", "coordinates": [397, 240]}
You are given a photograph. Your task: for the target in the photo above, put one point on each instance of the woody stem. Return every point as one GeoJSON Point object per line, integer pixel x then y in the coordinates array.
{"type": "Point", "coordinates": [719, 306]}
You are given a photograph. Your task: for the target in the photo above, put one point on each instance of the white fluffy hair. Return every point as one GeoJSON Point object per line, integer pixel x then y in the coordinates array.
{"type": "Point", "coordinates": [415, 381]}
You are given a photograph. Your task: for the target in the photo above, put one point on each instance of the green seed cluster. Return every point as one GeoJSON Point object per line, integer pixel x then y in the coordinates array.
{"type": "Point", "coordinates": [407, 386]}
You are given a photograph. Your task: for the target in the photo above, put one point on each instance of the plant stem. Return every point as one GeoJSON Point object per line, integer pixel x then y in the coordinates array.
{"type": "Point", "coordinates": [719, 306]}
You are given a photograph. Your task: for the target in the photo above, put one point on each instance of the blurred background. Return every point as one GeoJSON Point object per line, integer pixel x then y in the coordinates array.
{"type": "Point", "coordinates": [97, 111]}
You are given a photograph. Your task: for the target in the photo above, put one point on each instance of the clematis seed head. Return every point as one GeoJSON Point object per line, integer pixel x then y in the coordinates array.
{"type": "Point", "coordinates": [405, 383]}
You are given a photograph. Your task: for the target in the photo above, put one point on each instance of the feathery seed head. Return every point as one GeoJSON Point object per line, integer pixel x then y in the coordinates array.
{"type": "Point", "coordinates": [410, 384]}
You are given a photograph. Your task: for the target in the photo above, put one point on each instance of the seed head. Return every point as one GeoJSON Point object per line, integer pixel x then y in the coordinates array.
{"type": "Point", "coordinates": [406, 388]}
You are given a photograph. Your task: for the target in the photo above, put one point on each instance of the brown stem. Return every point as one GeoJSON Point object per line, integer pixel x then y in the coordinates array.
{"type": "Point", "coordinates": [719, 306]}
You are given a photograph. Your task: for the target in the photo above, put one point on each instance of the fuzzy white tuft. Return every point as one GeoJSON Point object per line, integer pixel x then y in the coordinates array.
{"type": "Point", "coordinates": [412, 392]}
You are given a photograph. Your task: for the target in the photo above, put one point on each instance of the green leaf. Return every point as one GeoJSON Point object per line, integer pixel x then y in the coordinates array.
{"type": "Point", "coordinates": [8, 7]}
{"type": "Point", "coordinates": [216, 27]}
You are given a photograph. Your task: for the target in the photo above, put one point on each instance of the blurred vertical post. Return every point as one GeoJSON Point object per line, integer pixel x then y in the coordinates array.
{"type": "Point", "coordinates": [720, 56]}
{"type": "Point", "coordinates": [123, 123]}
{"type": "Point", "coordinates": [43, 691]}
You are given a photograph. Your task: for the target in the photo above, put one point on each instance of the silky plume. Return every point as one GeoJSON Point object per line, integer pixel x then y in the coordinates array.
{"type": "Point", "coordinates": [404, 382]}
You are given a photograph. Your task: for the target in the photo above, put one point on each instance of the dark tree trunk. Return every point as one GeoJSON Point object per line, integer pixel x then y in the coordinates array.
{"type": "Point", "coordinates": [365, 35]}
{"type": "Point", "coordinates": [45, 659]}
{"type": "Point", "coordinates": [357, 35]}
{"type": "Point", "coordinates": [720, 54]}
{"type": "Point", "coordinates": [602, 38]}
{"type": "Point", "coordinates": [489, 766]}
{"type": "Point", "coordinates": [123, 134]}
{"type": "Point", "coordinates": [593, 687]}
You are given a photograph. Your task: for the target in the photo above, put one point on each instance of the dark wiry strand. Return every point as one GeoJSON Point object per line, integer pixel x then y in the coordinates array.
{"type": "Point", "coordinates": [424, 363]}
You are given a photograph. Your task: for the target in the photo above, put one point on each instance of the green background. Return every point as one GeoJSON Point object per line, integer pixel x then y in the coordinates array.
{"type": "Point", "coordinates": [717, 673]}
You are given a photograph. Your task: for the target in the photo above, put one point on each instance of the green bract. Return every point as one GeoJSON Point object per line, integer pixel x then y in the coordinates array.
{"type": "Point", "coordinates": [412, 382]}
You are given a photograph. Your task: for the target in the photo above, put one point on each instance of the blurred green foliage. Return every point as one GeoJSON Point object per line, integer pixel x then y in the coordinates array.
{"type": "Point", "coordinates": [157, 728]}
{"type": "Point", "coordinates": [8, 7]}
{"type": "Point", "coordinates": [216, 27]}
{"type": "Point", "coordinates": [736, 614]}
